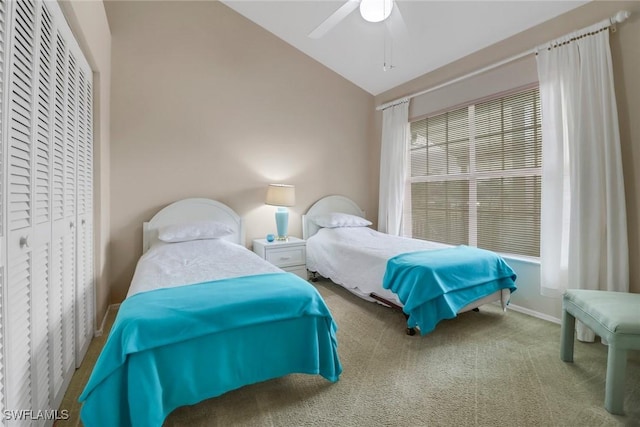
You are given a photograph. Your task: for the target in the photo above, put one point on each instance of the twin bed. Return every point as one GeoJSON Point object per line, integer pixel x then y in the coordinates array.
{"type": "Point", "coordinates": [203, 316]}
{"type": "Point", "coordinates": [393, 270]}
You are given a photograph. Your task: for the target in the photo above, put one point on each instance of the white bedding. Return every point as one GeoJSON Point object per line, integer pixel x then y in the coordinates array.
{"type": "Point", "coordinates": [167, 265]}
{"type": "Point", "coordinates": [356, 257]}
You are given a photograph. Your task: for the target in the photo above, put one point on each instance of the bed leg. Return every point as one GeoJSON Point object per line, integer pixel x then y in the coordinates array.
{"type": "Point", "coordinates": [410, 331]}
{"type": "Point", "coordinates": [505, 295]}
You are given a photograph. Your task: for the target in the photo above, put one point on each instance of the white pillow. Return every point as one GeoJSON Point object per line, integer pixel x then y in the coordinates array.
{"type": "Point", "coordinates": [197, 230]}
{"type": "Point", "coordinates": [337, 219]}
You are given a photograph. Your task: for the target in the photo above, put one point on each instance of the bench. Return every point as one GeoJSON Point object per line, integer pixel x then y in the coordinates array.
{"type": "Point", "coordinates": [615, 317]}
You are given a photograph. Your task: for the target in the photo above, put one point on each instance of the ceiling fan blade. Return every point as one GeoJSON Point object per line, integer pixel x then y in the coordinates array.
{"type": "Point", "coordinates": [334, 19]}
{"type": "Point", "coordinates": [396, 26]}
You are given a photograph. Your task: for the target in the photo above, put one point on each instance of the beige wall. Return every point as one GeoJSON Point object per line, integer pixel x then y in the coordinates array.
{"type": "Point", "coordinates": [207, 104]}
{"type": "Point", "coordinates": [88, 21]}
{"type": "Point", "coordinates": [625, 46]}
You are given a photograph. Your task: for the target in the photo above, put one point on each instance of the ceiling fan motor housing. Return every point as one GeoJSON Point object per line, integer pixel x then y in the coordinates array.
{"type": "Point", "coordinates": [375, 10]}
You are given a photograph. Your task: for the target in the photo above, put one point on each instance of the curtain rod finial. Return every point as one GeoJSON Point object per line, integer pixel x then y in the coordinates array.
{"type": "Point", "coordinates": [621, 16]}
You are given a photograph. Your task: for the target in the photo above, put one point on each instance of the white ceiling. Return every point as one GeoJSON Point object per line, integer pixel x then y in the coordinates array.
{"type": "Point", "coordinates": [435, 33]}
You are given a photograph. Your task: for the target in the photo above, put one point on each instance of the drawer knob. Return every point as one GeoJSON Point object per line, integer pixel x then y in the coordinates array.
{"type": "Point", "coordinates": [285, 258]}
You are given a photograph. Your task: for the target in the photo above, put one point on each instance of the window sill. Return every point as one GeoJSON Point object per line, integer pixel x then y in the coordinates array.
{"type": "Point", "coordinates": [522, 258]}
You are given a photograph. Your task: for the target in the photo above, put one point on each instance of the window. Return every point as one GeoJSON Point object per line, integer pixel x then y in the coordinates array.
{"type": "Point", "coordinates": [475, 175]}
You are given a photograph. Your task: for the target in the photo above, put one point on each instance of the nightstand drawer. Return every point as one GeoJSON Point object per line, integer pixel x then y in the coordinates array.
{"type": "Point", "coordinates": [287, 257]}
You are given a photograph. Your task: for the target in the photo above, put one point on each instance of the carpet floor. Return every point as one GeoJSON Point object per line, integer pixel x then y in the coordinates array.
{"type": "Point", "coordinates": [483, 368]}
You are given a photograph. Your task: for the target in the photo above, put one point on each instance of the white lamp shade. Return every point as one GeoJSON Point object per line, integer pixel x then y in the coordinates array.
{"type": "Point", "coordinates": [281, 195]}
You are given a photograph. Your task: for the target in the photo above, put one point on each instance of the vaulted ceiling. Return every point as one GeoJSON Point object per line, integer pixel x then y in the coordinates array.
{"type": "Point", "coordinates": [419, 36]}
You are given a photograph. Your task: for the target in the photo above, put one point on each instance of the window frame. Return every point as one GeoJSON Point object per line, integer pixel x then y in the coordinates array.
{"type": "Point", "coordinates": [473, 175]}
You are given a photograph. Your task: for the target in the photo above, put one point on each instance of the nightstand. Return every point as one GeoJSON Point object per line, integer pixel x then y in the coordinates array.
{"type": "Point", "coordinates": [289, 255]}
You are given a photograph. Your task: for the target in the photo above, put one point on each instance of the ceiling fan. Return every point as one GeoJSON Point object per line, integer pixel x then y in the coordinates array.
{"type": "Point", "coordinates": [370, 10]}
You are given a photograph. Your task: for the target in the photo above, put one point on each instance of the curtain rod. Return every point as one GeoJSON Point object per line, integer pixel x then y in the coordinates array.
{"type": "Point", "coordinates": [617, 18]}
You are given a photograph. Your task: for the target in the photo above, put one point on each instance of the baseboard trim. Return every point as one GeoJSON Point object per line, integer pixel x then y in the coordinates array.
{"type": "Point", "coordinates": [533, 313]}
{"type": "Point", "coordinates": [100, 331]}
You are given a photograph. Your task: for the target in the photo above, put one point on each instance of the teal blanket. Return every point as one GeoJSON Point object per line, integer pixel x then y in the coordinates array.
{"type": "Point", "coordinates": [178, 346]}
{"type": "Point", "coordinates": [434, 285]}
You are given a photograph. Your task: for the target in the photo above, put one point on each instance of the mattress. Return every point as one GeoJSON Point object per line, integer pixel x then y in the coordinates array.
{"type": "Point", "coordinates": [356, 257]}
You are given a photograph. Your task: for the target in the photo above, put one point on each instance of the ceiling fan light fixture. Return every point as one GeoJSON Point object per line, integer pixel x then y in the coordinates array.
{"type": "Point", "coordinates": [375, 10]}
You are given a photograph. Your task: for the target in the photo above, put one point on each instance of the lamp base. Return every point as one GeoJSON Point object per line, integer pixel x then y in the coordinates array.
{"type": "Point", "coordinates": [282, 222]}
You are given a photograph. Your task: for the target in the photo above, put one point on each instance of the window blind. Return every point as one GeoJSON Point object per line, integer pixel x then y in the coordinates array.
{"type": "Point", "coordinates": [475, 175]}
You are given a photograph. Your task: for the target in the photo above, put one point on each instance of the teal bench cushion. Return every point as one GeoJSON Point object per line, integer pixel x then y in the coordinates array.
{"type": "Point", "coordinates": [618, 312]}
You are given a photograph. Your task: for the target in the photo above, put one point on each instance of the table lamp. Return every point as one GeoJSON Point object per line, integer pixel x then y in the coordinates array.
{"type": "Point", "coordinates": [281, 195]}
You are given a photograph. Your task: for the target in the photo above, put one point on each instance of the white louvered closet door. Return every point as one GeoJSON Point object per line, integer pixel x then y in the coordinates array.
{"type": "Point", "coordinates": [68, 239]}
{"type": "Point", "coordinates": [46, 153]}
{"type": "Point", "coordinates": [41, 210]}
{"type": "Point", "coordinates": [68, 226]}
{"type": "Point", "coordinates": [84, 281]}
{"type": "Point", "coordinates": [20, 241]}
{"type": "Point", "coordinates": [60, 240]}
{"type": "Point", "coordinates": [3, 42]}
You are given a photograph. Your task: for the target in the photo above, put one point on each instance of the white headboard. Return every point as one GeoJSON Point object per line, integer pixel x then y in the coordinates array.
{"type": "Point", "coordinates": [327, 205]}
{"type": "Point", "coordinates": [187, 210]}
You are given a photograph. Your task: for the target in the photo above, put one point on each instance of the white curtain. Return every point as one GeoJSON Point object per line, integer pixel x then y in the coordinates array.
{"type": "Point", "coordinates": [583, 219]}
{"type": "Point", "coordinates": [393, 167]}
